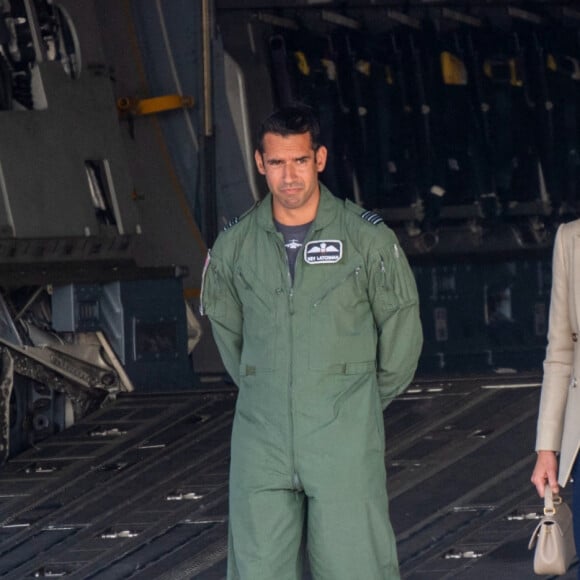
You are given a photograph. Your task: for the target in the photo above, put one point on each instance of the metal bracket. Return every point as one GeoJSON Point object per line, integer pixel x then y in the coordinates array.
{"type": "Point", "coordinates": [140, 107]}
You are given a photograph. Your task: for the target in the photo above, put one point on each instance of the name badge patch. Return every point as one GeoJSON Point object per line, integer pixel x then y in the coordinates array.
{"type": "Point", "coordinates": [323, 252]}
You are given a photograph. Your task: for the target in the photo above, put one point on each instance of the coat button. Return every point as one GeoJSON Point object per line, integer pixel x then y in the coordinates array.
{"type": "Point", "coordinates": [575, 336]}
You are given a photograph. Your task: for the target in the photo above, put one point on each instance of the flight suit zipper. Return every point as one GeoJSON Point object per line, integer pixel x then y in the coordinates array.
{"type": "Point", "coordinates": [293, 474]}
{"type": "Point", "coordinates": [291, 380]}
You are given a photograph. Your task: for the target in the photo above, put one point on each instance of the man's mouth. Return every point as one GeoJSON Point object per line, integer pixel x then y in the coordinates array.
{"type": "Point", "coordinates": [291, 190]}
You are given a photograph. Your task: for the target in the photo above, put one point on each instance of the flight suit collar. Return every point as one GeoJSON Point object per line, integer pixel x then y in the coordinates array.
{"type": "Point", "coordinates": [327, 209]}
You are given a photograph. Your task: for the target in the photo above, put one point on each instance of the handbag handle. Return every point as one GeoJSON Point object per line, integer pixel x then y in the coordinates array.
{"type": "Point", "coordinates": [550, 501]}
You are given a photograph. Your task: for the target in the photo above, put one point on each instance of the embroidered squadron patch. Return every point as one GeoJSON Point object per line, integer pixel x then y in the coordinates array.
{"type": "Point", "coordinates": [323, 252]}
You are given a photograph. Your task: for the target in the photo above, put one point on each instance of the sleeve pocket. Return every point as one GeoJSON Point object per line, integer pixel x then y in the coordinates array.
{"type": "Point", "coordinates": [213, 302]}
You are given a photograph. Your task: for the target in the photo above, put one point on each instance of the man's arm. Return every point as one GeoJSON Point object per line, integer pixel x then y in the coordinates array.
{"type": "Point", "coordinates": [220, 302]}
{"type": "Point", "coordinates": [395, 305]}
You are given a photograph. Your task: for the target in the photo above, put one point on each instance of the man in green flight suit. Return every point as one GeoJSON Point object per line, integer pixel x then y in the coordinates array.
{"type": "Point", "coordinates": [315, 312]}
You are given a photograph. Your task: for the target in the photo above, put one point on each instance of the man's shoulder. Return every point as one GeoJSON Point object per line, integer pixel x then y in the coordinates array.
{"type": "Point", "coordinates": [236, 220]}
{"type": "Point", "coordinates": [227, 244]}
{"type": "Point", "coordinates": [366, 224]}
{"type": "Point", "coordinates": [365, 215]}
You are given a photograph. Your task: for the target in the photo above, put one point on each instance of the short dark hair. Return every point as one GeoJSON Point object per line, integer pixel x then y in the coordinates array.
{"type": "Point", "coordinates": [295, 119]}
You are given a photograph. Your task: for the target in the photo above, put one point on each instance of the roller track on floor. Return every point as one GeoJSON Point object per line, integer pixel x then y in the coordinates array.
{"type": "Point", "coordinates": [139, 489]}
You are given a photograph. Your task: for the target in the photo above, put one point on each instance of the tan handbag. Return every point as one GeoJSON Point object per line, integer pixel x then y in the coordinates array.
{"type": "Point", "coordinates": [553, 537]}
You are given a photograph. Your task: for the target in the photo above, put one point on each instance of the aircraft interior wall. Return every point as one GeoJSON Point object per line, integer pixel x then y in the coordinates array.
{"type": "Point", "coordinates": [460, 125]}
{"type": "Point", "coordinates": [126, 143]}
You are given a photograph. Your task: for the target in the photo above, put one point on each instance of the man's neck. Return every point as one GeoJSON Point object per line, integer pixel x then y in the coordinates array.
{"type": "Point", "coordinates": [295, 217]}
{"type": "Point", "coordinates": [293, 220]}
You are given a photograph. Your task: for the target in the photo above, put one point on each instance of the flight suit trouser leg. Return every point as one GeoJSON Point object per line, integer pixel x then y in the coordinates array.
{"type": "Point", "coordinates": [351, 539]}
{"type": "Point", "coordinates": [265, 535]}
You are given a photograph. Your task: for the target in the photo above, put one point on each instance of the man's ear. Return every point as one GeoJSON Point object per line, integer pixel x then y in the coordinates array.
{"type": "Point", "coordinates": [321, 155]}
{"type": "Point", "coordinates": [259, 162]}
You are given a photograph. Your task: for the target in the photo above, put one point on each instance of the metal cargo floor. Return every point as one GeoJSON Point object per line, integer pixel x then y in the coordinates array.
{"type": "Point", "coordinates": [139, 489]}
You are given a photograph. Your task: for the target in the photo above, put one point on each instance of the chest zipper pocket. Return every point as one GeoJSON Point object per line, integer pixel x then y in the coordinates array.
{"type": "Point", "coordinates": [356, 272]}
{"type": "Point", "coordinates": [342, 337]}
{"type": "Point", "coordinates": [251, 289]}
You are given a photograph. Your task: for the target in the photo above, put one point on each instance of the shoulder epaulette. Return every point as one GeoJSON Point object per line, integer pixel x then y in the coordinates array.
{"type": "Point", "coordinates": [367, 215]}
{"type": "Point", "coordinates": [237, 219]}
{"type": "Point", "coordinates": [371, 216]}
{"type": "Point", "coordinates": [231, 223]}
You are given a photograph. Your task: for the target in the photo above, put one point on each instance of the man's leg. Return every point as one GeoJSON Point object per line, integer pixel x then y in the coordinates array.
{"type": "Point", "coordinates": [351, 539]}
{"type": "Point", "coordinates": [266, 529]}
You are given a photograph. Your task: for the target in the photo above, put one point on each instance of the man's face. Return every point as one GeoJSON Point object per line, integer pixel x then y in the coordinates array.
{"type": "Point", "coordinates": [291, 168]}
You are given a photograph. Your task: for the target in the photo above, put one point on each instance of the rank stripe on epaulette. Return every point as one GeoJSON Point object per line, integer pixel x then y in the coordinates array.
{"type": "Point", "coordinates": [231, 223]}
{"type": "Point", "coordinates": [371, 216]}
{"type": "Point", "coordinates": [238, 219]}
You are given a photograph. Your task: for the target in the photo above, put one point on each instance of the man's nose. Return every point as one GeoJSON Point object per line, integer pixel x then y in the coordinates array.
{"type": "Point", "coordinates": [289, 172]}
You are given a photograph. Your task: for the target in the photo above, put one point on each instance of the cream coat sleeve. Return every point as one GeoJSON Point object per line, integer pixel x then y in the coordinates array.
{"type": "Point", "coordinates": [559, 359]}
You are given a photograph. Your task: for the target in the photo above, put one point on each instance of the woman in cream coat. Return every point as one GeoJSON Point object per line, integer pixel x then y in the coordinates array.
{"type": "Point", "coordinates": [558, 434]}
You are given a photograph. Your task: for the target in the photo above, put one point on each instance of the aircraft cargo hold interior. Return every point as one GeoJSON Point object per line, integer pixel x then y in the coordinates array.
{"type": "Point", "coordinates": [127, 139]}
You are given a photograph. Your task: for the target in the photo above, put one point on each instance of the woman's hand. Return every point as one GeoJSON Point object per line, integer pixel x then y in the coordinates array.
{"type": "Point", "coordinates": [546, 471]}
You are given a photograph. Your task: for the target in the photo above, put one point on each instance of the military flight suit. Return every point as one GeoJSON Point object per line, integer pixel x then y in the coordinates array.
{"type": "Point", "coordinates": [316, 361]}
